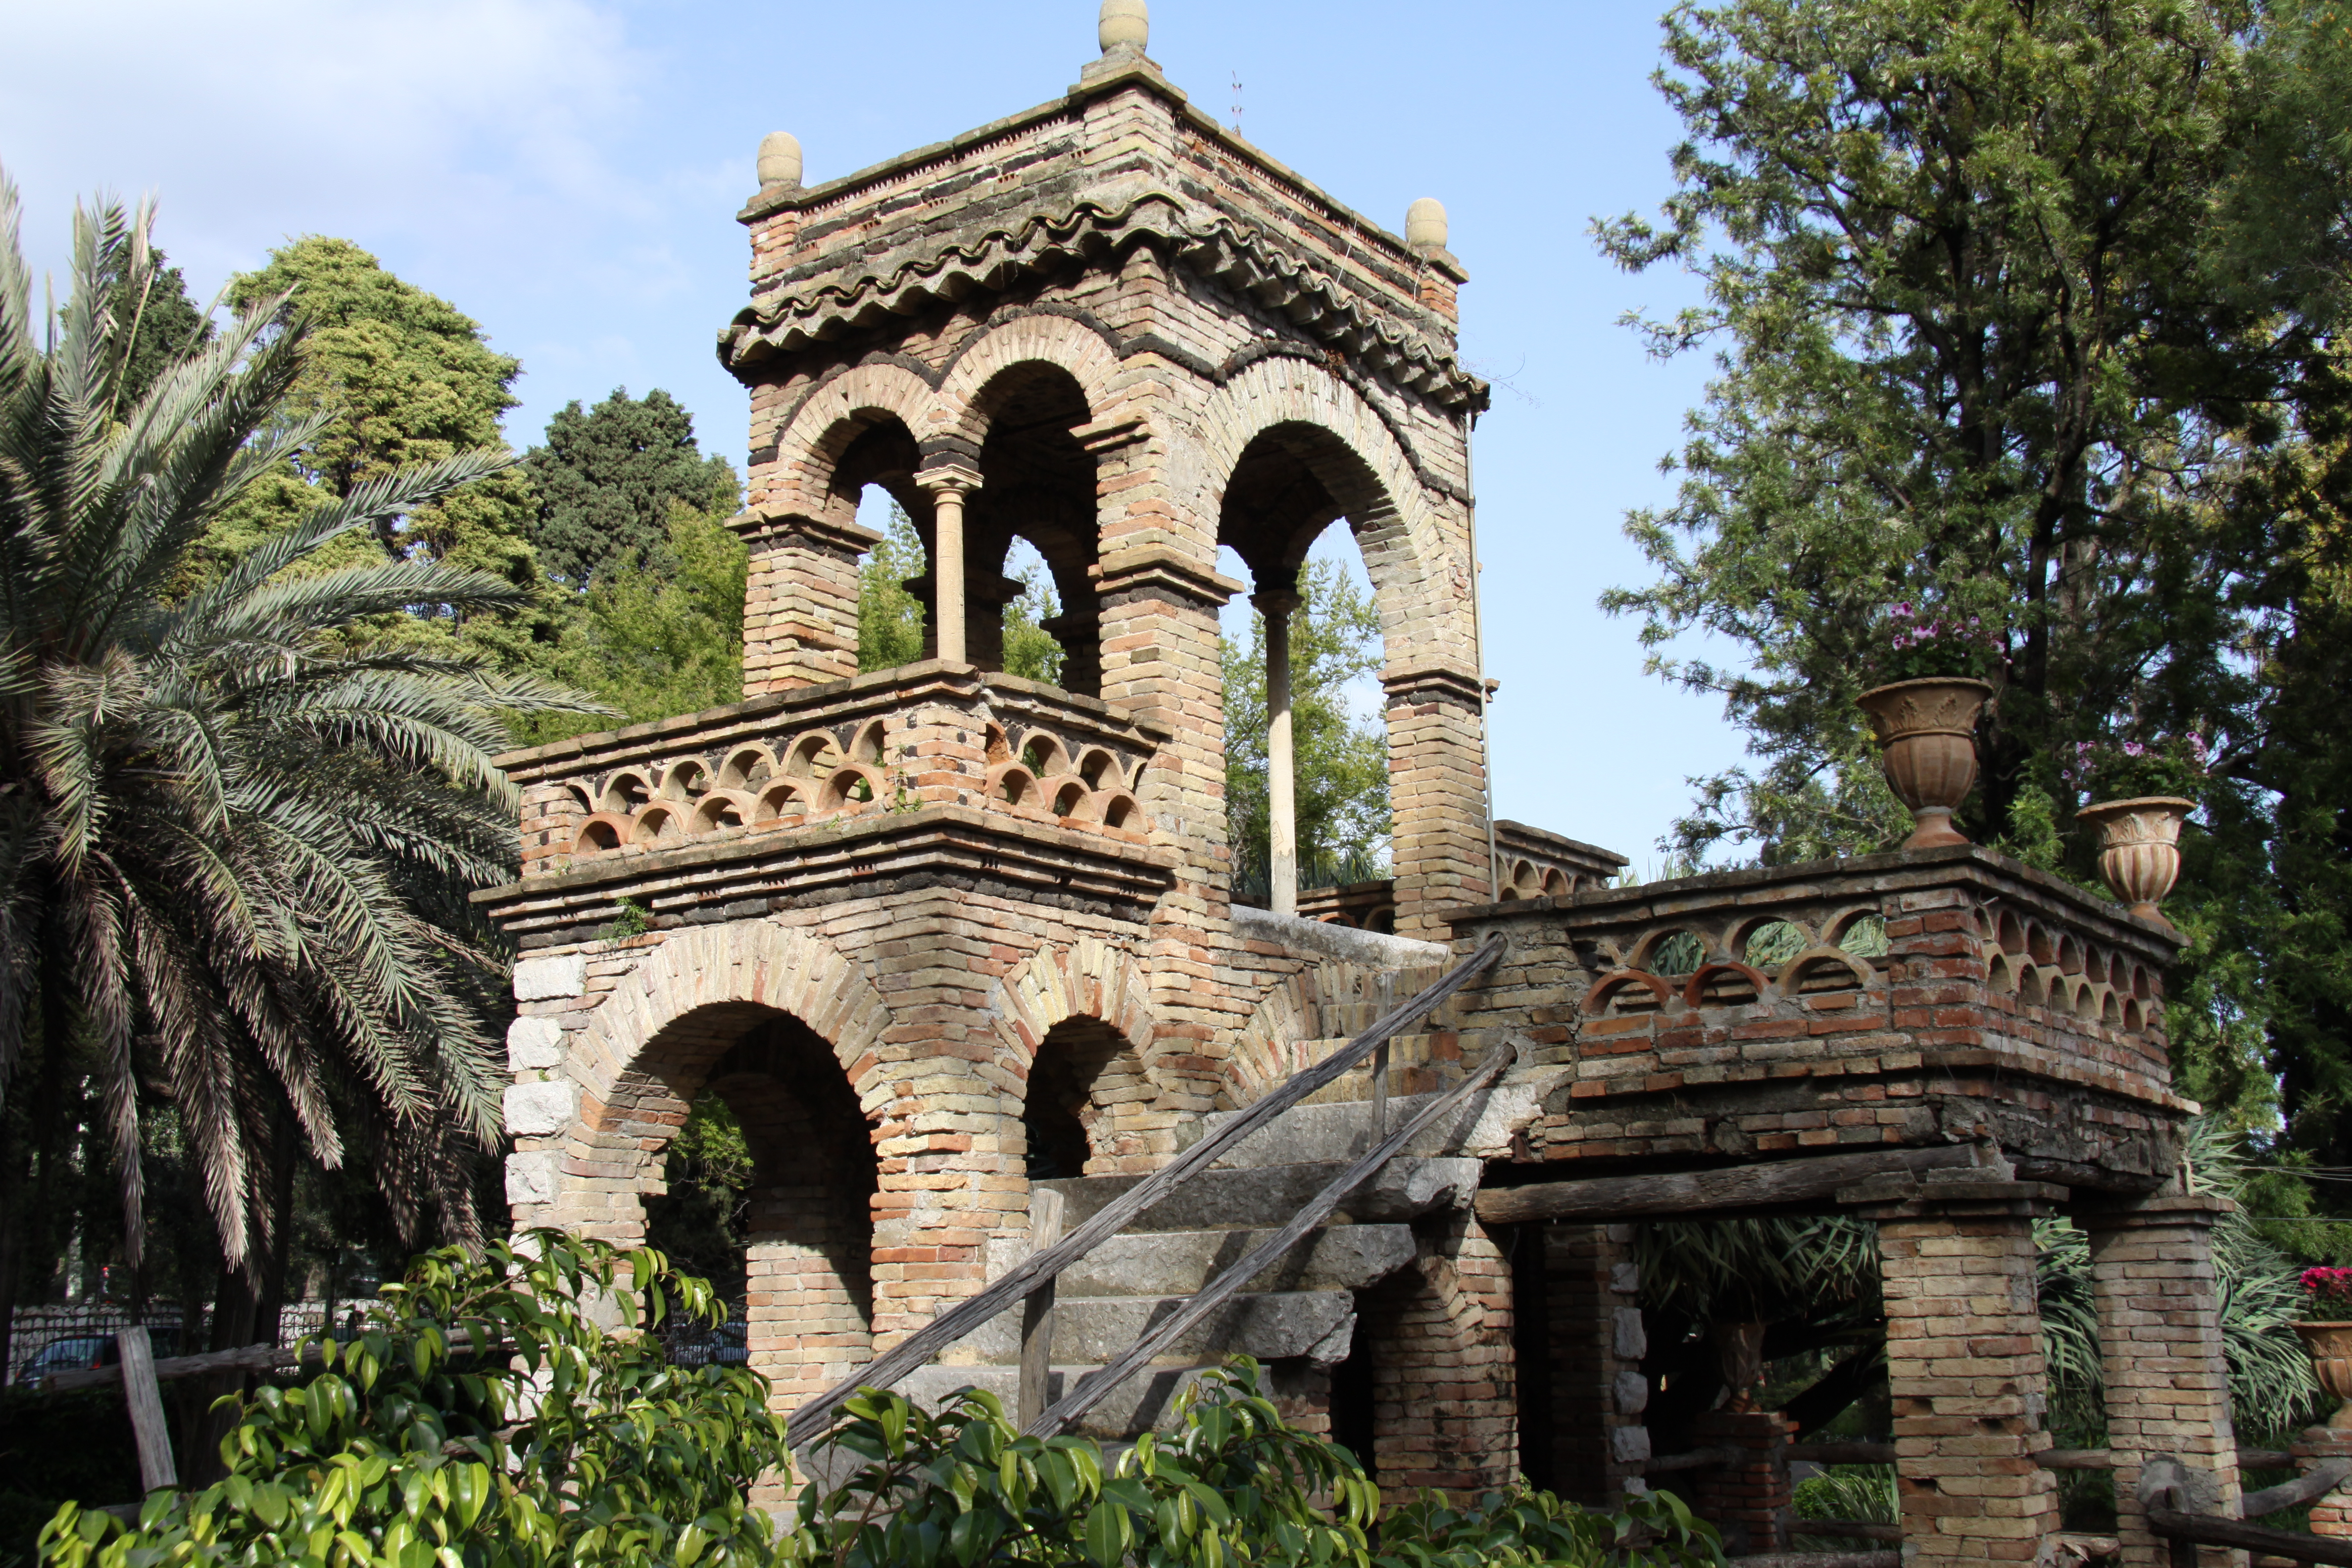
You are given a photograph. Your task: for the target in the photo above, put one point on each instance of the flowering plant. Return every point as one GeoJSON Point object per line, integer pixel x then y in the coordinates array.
{"type": "Point", "coordinates": [2328, 1291]}
{"type": "Point", "coordinates": [2128, 769]}
{"type": "Point", "coordinates": [1915, 642]}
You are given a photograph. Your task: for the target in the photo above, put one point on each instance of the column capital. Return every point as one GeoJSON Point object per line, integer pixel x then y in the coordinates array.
{"type": "Point", "coordinates": [1273, 602]}
{"type": "Point", "coordinates": [955, 475]}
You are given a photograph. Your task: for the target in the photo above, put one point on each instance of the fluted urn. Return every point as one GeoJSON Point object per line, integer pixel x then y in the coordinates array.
{"type": "Point", "coordinates": [2139, 847]}
{"type": "Point", "coordinates": [2330, 1348]}
{"type": "Point", "coordinates": [1926, 732]}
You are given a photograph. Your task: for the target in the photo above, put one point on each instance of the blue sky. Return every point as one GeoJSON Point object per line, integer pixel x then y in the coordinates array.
{"type": "Point", "coordinates": [567, 171]}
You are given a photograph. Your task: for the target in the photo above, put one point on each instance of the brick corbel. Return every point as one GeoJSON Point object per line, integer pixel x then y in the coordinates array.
{"type": "Point", "coordinates": [1158, 568]}
{"type": "Point", "coordinates": [763, 530]}
{"type": "Point", "coordinates": [1431, 681]}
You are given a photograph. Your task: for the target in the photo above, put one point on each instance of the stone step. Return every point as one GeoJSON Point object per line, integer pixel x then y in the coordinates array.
{"type": "Point", "coordinates": [1144, 1403]}
{"type": "Point", "coordinates": [1269, 1325]}
{"type": "Point", "coordinates": [1177, 1263]}
{"type": "Point", "coordinates": [1333, 1133]}
{"type": "Point", "coordinates": [1264, 1198]}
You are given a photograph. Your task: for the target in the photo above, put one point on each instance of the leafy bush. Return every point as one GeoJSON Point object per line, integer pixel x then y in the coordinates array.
{"type": "Point", "coordinates": [1232, 1484]}
{"type": "Point", "coordinates": [485, 1419]}
{"type": "Point", "coordinates": [1859, 1493]}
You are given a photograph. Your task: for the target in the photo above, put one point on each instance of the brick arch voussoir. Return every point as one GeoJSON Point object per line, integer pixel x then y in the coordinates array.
{"type": "Point", "coordinates": [747, 964]}
{"type": "Point", "coordinates": [809, 446]}
{"type": "Point", "coordinates": [1087, 978]}
{"type": "Point", "coordinates": [1264, 1052]}
{"type": "Point", "coordinates": [1414, 561]}
{"type": "Point", "coordinates": [1041, 339]}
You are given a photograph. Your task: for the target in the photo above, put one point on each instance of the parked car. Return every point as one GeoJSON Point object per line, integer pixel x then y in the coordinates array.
{"type": "Point", "coordinates": [87, 1352]}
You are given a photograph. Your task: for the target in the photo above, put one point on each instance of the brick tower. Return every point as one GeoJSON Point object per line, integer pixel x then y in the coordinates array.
{"type": "Point", "coordinates": [919, 924]}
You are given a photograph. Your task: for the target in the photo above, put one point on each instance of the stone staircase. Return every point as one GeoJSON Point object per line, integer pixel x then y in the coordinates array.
{"type": "Point", "coordinates": [1301, 1312]}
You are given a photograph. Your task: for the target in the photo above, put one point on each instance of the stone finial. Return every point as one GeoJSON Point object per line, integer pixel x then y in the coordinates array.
{"type": "Point", "coordinates": [780, 159]}
{"type": "Point", "coordinates": [1124, 24]}
{"type": "Point", "coordinates": [1424, 223]}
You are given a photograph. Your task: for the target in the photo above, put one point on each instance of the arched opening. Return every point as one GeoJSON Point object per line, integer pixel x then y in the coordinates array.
{"type": "Point", "coordinates": [770, 1182]}
{"type": "Point", "coordinates": [1084, 1071]}
{"type": "Point", "coordinates": [1313, 655]}
{"type": "Point", "coordinates": [1030, 532]}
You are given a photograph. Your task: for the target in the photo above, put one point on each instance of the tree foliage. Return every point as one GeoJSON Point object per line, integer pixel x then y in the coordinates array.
{"type": "Point", "coordinates": [233, 850]}
{"type": "Point", "coordinates": [2028, 312]}
{"type": "Point", "coordinates": [1340, 762]}
{"type": "Point", "coordinates": [395, 376]}
{"type": "Point", "coordinates": [609, 479]}
{"type": "Point", "coordinates": [485, 1416]}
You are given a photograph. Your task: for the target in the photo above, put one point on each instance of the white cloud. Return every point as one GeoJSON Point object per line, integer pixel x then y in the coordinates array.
{"type": "Point", "coordinates": [466, 118]}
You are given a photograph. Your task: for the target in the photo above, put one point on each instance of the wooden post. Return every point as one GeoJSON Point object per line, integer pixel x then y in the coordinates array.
{"type": "Point", "coordinates": [145, 1394]}
{"type": "Point", "coordinates": [1037, 1311]}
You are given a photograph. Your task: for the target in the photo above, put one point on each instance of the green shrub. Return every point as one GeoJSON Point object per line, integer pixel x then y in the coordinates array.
{"type": "Point", "coordinates": [1231, 1484]}
{"type": "Point", "coordinates": [558, 1443]}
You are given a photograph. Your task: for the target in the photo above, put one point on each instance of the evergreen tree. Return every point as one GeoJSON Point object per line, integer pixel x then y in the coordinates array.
{"type": "Point", "coordinates": [2027, 314]}
{"type": "Point", "coordinates": [607, 479]}
{"type": "Point", "coordinates": [395, 376]}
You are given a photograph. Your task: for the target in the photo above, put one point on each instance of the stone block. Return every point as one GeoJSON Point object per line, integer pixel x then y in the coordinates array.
{"type": "Point", "coordinates": [540, 1109]}
{"type": "Point", "coordinates": [548, 979]}
{"type": "Point", "coordinates": [533, 1178]}
{"type": "Point", "coordinates": [534, 1044]}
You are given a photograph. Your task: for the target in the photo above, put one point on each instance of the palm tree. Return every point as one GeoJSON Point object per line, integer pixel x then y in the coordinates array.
{"type": "Point", "coordinates": [236, 826]}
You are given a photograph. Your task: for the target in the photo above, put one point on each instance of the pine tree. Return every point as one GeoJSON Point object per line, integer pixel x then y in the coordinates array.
{"type": "Point", "coordinates": [608, 477]}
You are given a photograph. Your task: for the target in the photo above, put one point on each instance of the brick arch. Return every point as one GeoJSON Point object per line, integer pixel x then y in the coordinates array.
{"type": "Point", "coordinates": [813, 437]}
{"type": "Point", "coordinates": [751, 966]}
{"type": "Point", "coordinates": [1042, 338]}
{"type": "Point", "coordinates": [1088, 979]}
{"type": "Point", "coordinates": [1420, 572]}
{"type": "Point", "coordinates": [1283, 1035]}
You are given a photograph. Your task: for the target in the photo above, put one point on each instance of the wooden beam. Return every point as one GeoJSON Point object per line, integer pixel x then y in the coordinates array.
{"type": "Point", "coordinates": [249, 1358]}
{"type": "Point", "coordinates": [157, 1471]}
{"type": "Point", "coordinates": [1037, 1312]}
{"type": "Point", "coordinates": [2317, 1483]}
{"type": "Point", "coordinates": [1761, 1185]}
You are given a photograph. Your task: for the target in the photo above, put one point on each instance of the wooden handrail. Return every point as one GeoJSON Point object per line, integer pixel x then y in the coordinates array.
{"type": "Point", "coordinates": [1099, 1384]}
{"type": "Point", "coordinates": [2209, 1529]}
{"type": "Point", "coordinates": [812, 1419]}
{"type": "Point", "coordinates": [1841, 1453]}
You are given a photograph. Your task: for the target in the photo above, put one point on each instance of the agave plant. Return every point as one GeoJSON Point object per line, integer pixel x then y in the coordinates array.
{"type": "Point", "coordinates": [235, 827]}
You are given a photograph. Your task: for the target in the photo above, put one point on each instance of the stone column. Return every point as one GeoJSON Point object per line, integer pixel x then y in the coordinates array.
{"type": "Point", "coordinates": [2160, 1344]}
{"type": "Point", "coordinates": [947, 487]}
{"type": "Point", "coordinates": [1277, 605]}
{"type": "Point", "coordinates": [1964, 1365]}
{"type": "Point", "coordinates": [800, 600]}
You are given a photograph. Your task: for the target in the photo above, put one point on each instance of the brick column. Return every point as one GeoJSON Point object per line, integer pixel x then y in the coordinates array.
{"type": "Point", "coordinates": [1580, 1347]}
{"type": "Point", "coordinates": [2167, 1387]}
{"type": "Point", "coordinates": [1160, 661]}
{"type": "Point", "coordinates": [2332, 1514]}
{"type": "Point", "coordinates": [1747, 1499]}
{"type": "Point", "coordinates": [800, 600]}
{"type": "Point", "coordinates": [1964, 1365]}
{"type": "Point", "coordinates": [1437, 796]}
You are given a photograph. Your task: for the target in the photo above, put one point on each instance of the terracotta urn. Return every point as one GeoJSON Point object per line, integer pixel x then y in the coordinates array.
{"type": "Point", "coordinates": [2330, 1347]}
{"type": "Point", "coordinates": [1926, 733]}
{"type": "Point", "coordinates": [2140, 849]}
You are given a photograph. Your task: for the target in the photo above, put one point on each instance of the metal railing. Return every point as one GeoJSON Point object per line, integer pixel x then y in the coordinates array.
{"type": "Point", "coordinates": [1041, 1269]}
